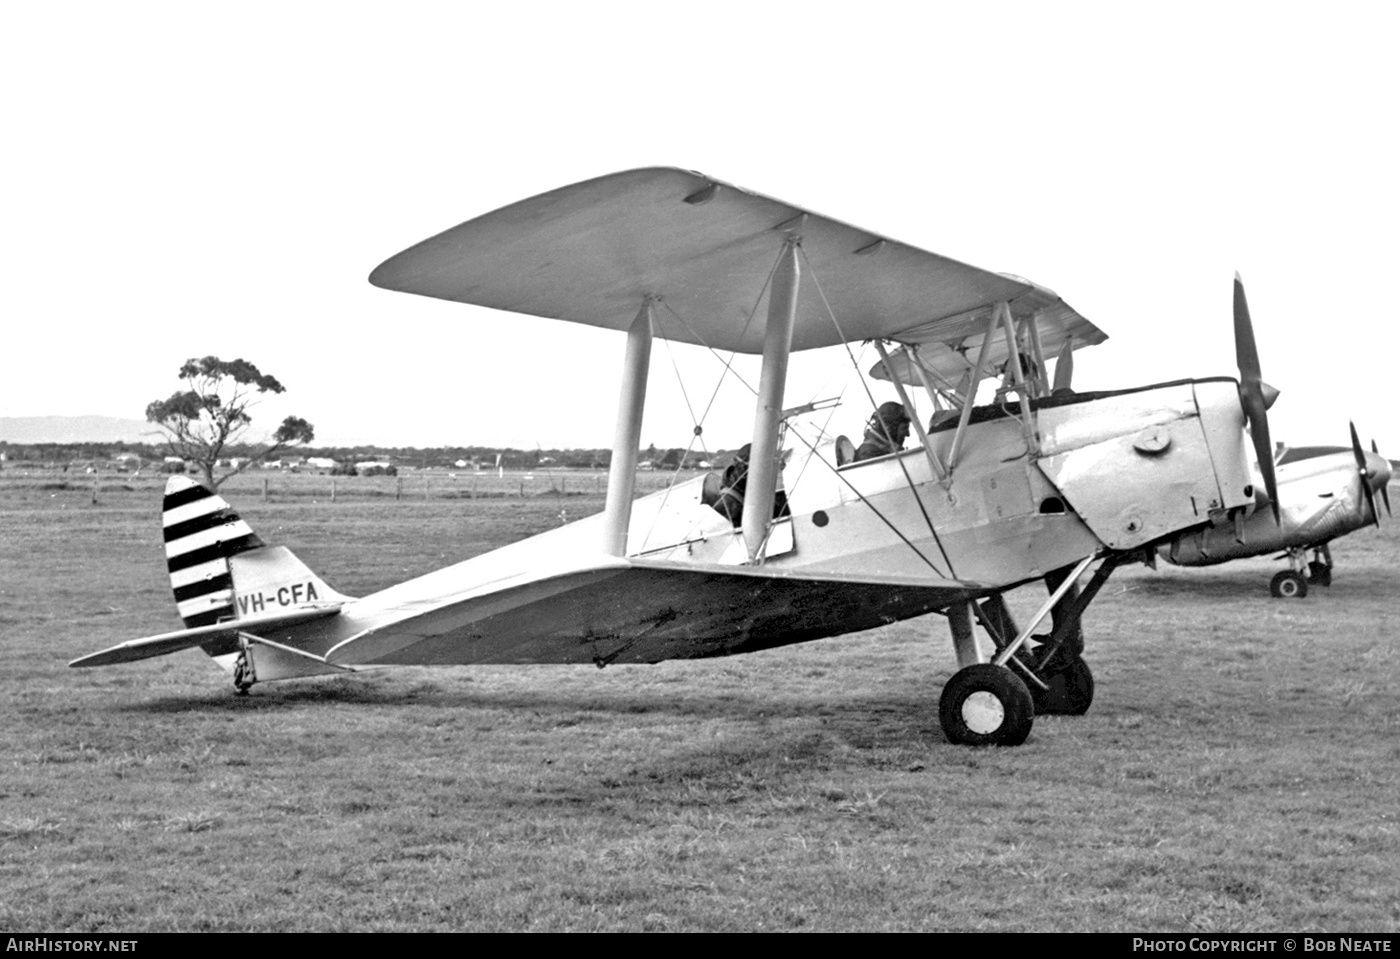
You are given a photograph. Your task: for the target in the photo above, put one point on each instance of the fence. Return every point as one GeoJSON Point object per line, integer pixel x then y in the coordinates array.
{"type": "Point", "coordinates": [19, 485]}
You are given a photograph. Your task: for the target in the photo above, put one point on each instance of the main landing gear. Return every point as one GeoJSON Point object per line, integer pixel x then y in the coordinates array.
{"type": "Point", "coordinates": [995, 703]}
{"type": "Point", "coordinates": [1292, 583]}
{"type": "Point", "coordinates": [245, 674]}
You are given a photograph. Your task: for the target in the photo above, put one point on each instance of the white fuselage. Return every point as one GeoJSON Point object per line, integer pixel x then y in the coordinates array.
{"type": "Point", "coordinates": [1082, 475]}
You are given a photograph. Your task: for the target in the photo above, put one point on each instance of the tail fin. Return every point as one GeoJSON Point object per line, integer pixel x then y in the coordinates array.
{"type": "Point", "coordinates": [202, 532]}
{"type": "Point", "coordinates": [221, 570]}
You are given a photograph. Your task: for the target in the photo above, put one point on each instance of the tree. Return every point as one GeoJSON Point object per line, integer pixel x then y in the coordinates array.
{"type": "Point", "coordinates": [211, 415]}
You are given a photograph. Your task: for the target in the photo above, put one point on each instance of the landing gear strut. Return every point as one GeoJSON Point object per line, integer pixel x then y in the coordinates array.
{"type": "Point", "coordinates": [1293, 582]}
{"type": "Point", "coordinates": [981, 705]}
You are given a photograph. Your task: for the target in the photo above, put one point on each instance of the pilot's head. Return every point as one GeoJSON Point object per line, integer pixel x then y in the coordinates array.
{"type": "Point", "coordinates": [895, 421]}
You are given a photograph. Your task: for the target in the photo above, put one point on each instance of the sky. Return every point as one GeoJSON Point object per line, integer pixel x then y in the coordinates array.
{"type": "Point", "coordinates": [194, 179]}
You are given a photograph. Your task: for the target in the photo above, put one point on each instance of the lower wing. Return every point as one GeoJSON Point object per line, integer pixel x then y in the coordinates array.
{"type": "Point", "coordinates": [643, 611]}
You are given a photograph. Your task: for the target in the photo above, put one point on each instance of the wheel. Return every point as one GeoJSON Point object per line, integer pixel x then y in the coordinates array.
{"type": "Point", "coordinates": [1070, 693]}
{"type": "Point", "coordinates": [986, 705]}
{"type": "Point", "coordinates": [1288, 585]}
{"type": "Point", "coordinates": [1319, 574]}
{"type": "Point", "coordinates": [244, 674]}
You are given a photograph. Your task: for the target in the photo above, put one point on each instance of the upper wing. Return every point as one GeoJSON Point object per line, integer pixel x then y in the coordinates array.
{"type": "Point", "coordinates": [592, 252]}
{"type": "Point", "coordinates": [949, 348]}
{"type": "Point", "coordinates": [643, 611]}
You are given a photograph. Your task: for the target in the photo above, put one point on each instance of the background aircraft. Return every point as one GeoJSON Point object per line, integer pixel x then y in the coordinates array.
{"type": "Point", "coordinates": [1033, 486]}
{"type": "Point", "coordinates": [1319, 499]}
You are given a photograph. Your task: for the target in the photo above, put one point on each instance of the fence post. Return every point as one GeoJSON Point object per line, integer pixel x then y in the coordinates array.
{"type": "Point", "coordinates": [398, 488]}
{"type": "Point", "coordinates": [96, 481]}
{"type": "Point", "coordinates": [332, 489]}
{"type": "Point", "coordinates": [264, 489]}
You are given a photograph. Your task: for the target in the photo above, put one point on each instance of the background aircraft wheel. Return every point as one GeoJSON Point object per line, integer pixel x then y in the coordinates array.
{"type": "Point", "coordinates": [986, 705]}
{"type": "Point", "coordinates": [1288, 585]}
{"type": "Point", "coordinates": [1319, 574]}
{"type": "Point", "coordinates": [1070, 693]}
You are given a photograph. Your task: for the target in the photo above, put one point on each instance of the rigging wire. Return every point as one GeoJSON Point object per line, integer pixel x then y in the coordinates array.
{"type": "Point", "coordinates": [909, 480]}
{"type": "Point", "coordinates": [698, 425]}
{"type": "Point", "coordinates": [862, 497]}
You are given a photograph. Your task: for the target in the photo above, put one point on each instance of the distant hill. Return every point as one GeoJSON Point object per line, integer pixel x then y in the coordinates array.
{"type": "Point", "coordinates": [74, 429]}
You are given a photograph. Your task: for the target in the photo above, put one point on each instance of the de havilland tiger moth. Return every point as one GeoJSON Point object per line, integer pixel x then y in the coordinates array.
{"type": "Point", "coordinates": [1320, 499]}
{"type": "Point", "coordinates": [1039, 484]}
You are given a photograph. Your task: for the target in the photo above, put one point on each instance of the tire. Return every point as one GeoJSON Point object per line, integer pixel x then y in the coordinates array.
{"type": "Point", "coordinates": [1288, 585]}
{"type": "Point", "coordinates": [986, 705]}
{"type": "Point", "coordinates": [1319, 574]}
{"type": "Point", "coordinates": [1071, 691]}
{"type": "Point", "coordinates": [244, 674]}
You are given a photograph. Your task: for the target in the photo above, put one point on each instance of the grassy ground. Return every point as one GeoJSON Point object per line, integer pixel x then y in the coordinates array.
{"type": "Point", "coordinates": [1237, 771]}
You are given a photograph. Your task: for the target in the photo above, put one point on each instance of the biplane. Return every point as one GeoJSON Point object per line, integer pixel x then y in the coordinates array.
{"type": "Point", "coordinates": [1021, 482]}
{"type": "Point", "coordinates": [1319, 499]}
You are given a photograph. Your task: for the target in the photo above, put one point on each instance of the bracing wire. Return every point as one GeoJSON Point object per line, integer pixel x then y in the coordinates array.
{"type": "Point", "coordinates": [909, 480]}
{"type": "Point", "coordinates": [698, 424]}
{"type": "Point", "coordinates": [728, 369]}
{"type": "Point", "coordinates": [861, 496]}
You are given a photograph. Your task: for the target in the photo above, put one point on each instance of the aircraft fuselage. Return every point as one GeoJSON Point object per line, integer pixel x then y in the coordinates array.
{"type": "Point", "coordinates": [1081, 475]}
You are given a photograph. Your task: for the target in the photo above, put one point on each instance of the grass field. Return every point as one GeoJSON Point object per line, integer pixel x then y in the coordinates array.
{"type": "Point", "coordinates": [1238, 770]}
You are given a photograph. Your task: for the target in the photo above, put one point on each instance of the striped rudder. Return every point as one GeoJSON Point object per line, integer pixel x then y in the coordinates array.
{"type": "Point", "coordinates": [201, 533]}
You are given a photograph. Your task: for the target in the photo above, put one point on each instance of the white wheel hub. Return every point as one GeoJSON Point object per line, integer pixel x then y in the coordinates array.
{"type": "Point", "coordinates": [983, 713]}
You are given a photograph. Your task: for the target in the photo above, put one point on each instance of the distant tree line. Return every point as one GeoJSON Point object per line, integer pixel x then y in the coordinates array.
{"type": "Point", "coordinates": [442, 457]}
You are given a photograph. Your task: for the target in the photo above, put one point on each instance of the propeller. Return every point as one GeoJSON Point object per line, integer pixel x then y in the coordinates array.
{"type": "Point", "coordinates": [1385, 486]}
{"type": "Point", "coordinates": [1256, 396]}
{"type": "Point", "coordinates": [1364, 470]}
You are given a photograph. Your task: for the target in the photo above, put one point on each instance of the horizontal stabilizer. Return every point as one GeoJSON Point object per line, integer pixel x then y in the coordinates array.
{"type": "Point", "coordinates": [150, 646]}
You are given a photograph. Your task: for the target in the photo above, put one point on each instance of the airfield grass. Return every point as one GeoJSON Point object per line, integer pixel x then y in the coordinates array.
{"type": "Point", "coordinates": [1238, 769]}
